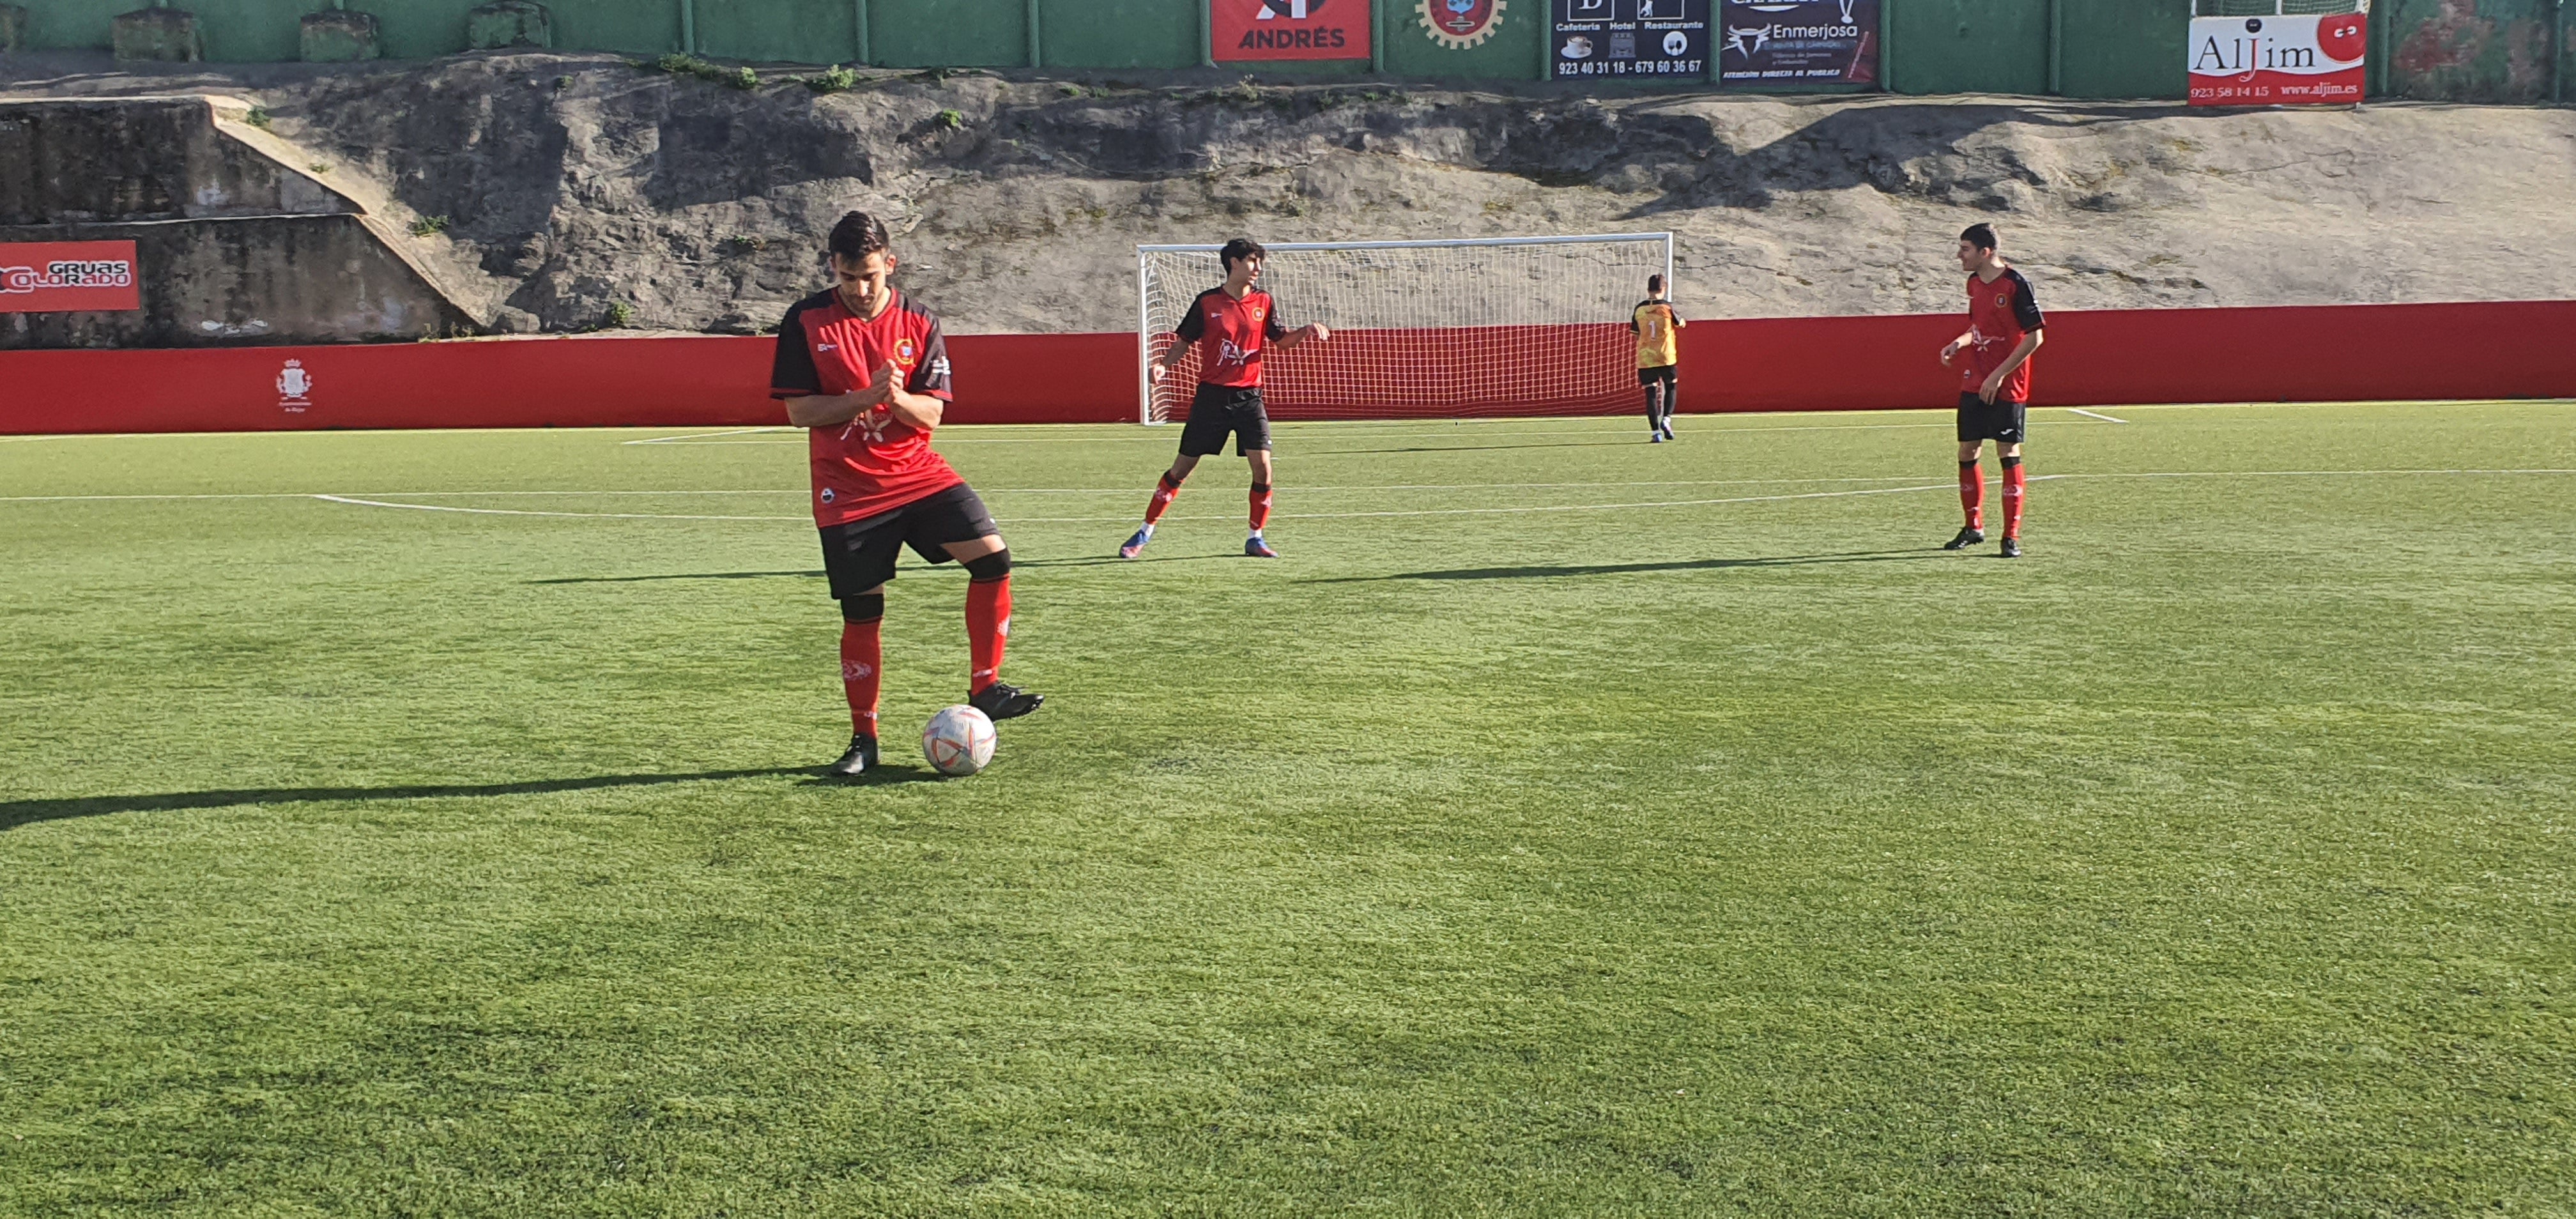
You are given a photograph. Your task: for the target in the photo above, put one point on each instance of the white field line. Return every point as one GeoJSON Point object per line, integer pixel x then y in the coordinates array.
{"type": "Point", "coordinates": [2095, 415]}
{"type": "Point", "coordinates": [1299, 424]}
{"type": "Point", "coordinates": [1165, 438]}
{"type": "Point", "coordinates": [374, 498]}
{"type": "Point", "coordinates": [1511, 511]}
{"type": "Point", "coordinates": [1371, 488]}
{"type": "Point", "coordinates": [703, 436]}
{"type": "Point", "coordinates": [619, 516]}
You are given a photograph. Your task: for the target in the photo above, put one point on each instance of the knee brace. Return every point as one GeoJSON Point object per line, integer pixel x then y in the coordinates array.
{"type": "Point", "coordinates": [864, 608]}
{"type": "Point", "coordinates": [991, 567]}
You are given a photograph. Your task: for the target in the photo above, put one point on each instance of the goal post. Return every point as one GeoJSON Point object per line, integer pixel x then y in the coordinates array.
{"type": "Point", "coordinates": [1467, 328]}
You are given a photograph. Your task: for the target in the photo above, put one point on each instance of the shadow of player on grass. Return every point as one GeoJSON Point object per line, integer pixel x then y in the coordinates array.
{"type": "Point", "coordinates": [1616, 569]}
{"type": "Point", "coordinates": [15, 813]}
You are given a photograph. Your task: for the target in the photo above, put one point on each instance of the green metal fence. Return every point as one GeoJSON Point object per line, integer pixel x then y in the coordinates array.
{"type": "Point", "coordinates": [2471, 50]}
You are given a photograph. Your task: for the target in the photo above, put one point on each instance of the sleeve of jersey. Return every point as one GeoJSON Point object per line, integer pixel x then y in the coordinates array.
{"type": "Point", "coordinates": [1193, 323]}
{"type": "Point", "coordinates": [1274, 328]}
{"type": "Point", "coordinates": [791, 371]}
{"type": "Point", "coordinates": [2026, 306]}
{"type": "Point", "coordinates": [930, 376]}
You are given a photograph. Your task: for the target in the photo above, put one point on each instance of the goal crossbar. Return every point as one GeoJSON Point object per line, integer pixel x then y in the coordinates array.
{"type": "Point", "coordinates": [1308, 246]}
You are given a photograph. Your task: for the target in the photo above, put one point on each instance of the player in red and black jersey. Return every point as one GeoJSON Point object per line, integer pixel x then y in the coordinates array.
{"type": "Point", "coordinates": [867, 370]}
{"type": "Point", "coordinates": [1232, 325]}
{"type": "Point", "coordinates": [2004, 330]}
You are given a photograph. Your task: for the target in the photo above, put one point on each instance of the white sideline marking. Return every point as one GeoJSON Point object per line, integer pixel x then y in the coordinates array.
{"type": "Point", "coordinates": [740, 431]}
{"type": "Point", "coordinates": [1164, 438]}
{"type": "Point", "coordinates": [2094, 415]}
{"type": "Point", "coordinates": [623, 516]}
{"type": "Point", "coordinates": [365, 500]}
{"type": "Point", "coordinates": [800, 491]}
{"type": "Point", "coordinates": [377, 498]}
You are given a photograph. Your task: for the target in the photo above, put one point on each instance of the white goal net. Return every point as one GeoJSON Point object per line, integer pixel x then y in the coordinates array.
{"type": "Point", "coordinates": [1496, 326]}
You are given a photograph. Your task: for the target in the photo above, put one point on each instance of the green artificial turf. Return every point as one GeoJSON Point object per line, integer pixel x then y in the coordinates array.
{"type": "Point", "coordinates": [1564, 826]}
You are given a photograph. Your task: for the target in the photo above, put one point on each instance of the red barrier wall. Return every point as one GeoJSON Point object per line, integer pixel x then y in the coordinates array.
{"type": "Point", "coordinates": [2112, 357]}
{"type": "Point", "coordinates": [2524, 349]}
{"type": "Point", "coordinates": [583, 382]}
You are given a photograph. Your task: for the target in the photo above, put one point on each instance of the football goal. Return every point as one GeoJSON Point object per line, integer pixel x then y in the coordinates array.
{"type": "Point", "coordinates": [1481, 327]}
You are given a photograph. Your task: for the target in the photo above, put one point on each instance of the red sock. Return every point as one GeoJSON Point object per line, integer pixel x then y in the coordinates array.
{"type": "Point", "coordinates": [861, 671]}
{"type": "Point", "coordinates": [988, 627]}
{"type": "Point", "coordinates": [1163, 493]}
{"type": "Point", "coordinates": [1972, 493]}
{"type": "Point", "coordinates": [2012, 497]}
{"type": "Point", "coordinates": [1260, 507]}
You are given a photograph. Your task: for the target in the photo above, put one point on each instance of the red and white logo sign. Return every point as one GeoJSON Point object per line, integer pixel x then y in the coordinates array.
{"type": "Point", "coordinates": [2278, 61]}
{"type": "Point", "coordinates": [68, 276]}
{"type": "Point", "coordinates": [1245, 31]}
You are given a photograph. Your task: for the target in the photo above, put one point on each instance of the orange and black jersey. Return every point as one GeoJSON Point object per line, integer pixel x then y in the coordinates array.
{"type": "Point", "coordinates": [1230, 334]}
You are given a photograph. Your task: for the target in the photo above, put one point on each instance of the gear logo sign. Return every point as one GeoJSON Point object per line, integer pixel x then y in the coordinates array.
{"type": "Point", "coordinates": [1460, 24]}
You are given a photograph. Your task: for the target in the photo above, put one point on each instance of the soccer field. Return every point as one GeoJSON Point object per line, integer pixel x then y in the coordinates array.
{"type": "Point", "coordinates": [1565, 825]}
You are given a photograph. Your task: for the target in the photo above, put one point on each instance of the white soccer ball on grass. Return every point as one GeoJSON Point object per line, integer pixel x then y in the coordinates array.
{"type": "Point", "coordinates": [959, 741]}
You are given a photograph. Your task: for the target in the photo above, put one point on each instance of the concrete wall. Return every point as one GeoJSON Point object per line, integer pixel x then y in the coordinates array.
{"type": "Point", "coordinates": [2474, 50]}
{"type": "Point", "coordinates": [246, 280]}
{"type": "Point", "coordinates": [234, 246]}
{"type": "Point", "coordinates": [75, 161]}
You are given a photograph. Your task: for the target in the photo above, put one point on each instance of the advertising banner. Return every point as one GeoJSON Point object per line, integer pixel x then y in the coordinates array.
{"type": "Point", "coordinates": [1631, 38]}
{"type": "Point", "coordinates": [1797, 42]}
{"type": "Point", "coordinates": [1251, 31]}
{"type": "Point", "coordinates": [2278, 61]}
{"type": "Point", "coordinates": [68, 276]}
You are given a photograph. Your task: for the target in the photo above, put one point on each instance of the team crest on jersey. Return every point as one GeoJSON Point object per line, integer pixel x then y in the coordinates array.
{"type": "Point", "coordinates": [1459, 24]}
{"type": "Point", "coordinates": [905, 353]}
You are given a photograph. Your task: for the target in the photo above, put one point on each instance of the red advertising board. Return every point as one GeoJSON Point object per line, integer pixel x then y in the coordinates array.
{"type": "Point", "coordinates": [2278, 60]}
{"type": "Point", "coordinates": [68, 276]}
{"type": "Point", "coordinates": [1250, 31]}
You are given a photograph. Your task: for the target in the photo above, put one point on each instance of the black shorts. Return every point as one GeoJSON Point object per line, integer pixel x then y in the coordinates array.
{"type": "Point", "coordinates": [860, 555]}
{"type": "Point", "coordinates": [1222, 410]}
{"type": "Point", "coordinates": [2001, 422]}
{"type": "Point", "coordinates": [1669, 374]}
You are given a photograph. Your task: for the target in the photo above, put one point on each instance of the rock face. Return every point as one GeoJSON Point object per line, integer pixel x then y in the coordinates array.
{"type": "Point", "coordinates": [578, 190]}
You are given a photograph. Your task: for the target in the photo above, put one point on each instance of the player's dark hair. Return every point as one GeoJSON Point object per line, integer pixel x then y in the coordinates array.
{"type": "Point", "coordinates": [1981, 236]}
{"type": "Point", "coordinates": [1654, 284]}
{"type": "Point", "coordinates": [1237, 250]}
{"type": "Point", "coordinates": [858, 235]}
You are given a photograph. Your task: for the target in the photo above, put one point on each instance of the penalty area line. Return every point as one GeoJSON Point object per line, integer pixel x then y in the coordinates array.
{"type": "Point", "coordinates": [2095, 415]}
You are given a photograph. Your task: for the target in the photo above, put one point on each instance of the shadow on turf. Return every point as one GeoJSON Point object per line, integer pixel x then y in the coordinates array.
{"type": "Point", "coordinates": [1114, 560]}
{"type": "Point", "coordinates": [686, 575]}
{"type": "Point", "coordinates": [15, 813]}
{"type": "Point", "coordinates": [1615, 569]}
{"type": "Point", "coordinates": [1460, 448]}
{"type": "Point", "coordinates": [816, 575]}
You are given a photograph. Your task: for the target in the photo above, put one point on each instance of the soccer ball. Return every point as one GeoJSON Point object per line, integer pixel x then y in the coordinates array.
{"type": "Point", "coordinates": [959, 741]}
